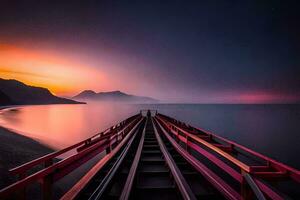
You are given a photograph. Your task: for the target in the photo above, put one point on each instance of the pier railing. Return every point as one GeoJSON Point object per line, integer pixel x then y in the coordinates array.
{"type": "Point", "coordinates": [84, 181]}
{"type": "Point", "coordinates": [80, 153]}
{"type": "Point", "coordinates": [220, 152]}
{"type": "Point", "coordinates": [215, 158]}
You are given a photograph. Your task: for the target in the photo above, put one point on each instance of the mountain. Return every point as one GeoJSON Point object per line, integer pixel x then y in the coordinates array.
{"type": "Point", "coordinates": [115, 96]}
{"type": "Point", "coordinates": [16, 92]}
{"type": "Point", "coordinates": [85, 94]}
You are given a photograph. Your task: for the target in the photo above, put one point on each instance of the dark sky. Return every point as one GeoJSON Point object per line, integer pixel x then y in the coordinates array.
{"type": "Point", "coordinates": [187, 51]}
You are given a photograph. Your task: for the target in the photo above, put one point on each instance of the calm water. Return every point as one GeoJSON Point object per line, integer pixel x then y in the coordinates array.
{"type": "Point", "coordinates": [270, 129]}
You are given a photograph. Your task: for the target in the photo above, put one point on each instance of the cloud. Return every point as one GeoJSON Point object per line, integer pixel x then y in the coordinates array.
{"type": "Point", "coordinates": [15, 72]}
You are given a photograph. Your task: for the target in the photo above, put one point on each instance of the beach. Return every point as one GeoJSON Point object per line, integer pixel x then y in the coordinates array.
{"type": "Point", "coordinates": [16, 149]}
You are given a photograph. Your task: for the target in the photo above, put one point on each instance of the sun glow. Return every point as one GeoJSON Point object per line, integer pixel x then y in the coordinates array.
{"type": "Point", "coordinates": [265, 97]}
{"type": "Point", "coordinates": [47, 69]}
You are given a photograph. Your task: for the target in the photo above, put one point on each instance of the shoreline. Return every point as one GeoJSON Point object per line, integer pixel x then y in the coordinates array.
{"type": "Point", "coordinates": [16, 149]}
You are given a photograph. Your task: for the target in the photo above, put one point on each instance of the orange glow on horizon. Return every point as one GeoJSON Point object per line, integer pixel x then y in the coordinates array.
{"type": "Point", "coordinates": [66, 75]}
{"type": "Point", "coordinates": [49, 70]}
{"type": "Point", "coordinates": [264, 97]}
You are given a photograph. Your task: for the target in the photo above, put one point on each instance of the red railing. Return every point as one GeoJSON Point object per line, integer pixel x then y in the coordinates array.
{"type": "Point", "coordinates": [205, 144]}
{"type": "Point", "coordinates": [221, 185]}
{"type": "Point", "coordinates": [81, 153]}
{"type": "Point", "coordinates": [186, 140]}
{"type": "Point", "coordinates": [270, 163]}
{"type": "Point", "coordinates": [79, 186]}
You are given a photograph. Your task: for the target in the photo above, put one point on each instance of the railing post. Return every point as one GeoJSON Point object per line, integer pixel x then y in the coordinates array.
{"type": "Point", "coordinates": [21, 194]}
{"type": "Point", "coordinates": [47, 187]}
{"type": "Point", "coordinates": [177, 137]}
{"type": "Point", "coordinates": [47, 182]}
{"type": "Point", "coordinates": [187, 148]}
{"type": "Point", "coordinates": [108, 149]}
{"type": "Point", "coordinates": [246, 191]}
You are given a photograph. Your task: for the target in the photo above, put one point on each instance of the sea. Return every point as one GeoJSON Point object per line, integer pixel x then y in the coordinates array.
{"type": "Point", "coordinates": [271, 129]}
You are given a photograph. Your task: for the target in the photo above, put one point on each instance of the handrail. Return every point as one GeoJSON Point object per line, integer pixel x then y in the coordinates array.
{"type": "Point", "coordinates": [44, 172]}
{"type": "Point", "coordinates": [235, 161]}
{"type": "Point", "coordinates": [214, 148]}
{"type": "Point", "coordinates": [77, 188]}
{"type": "Point", "coordinates": [217, 161]}
{"type": "Point", "coordinates": [97, 194]}
{"type": "Point", "coordinates": [219, 183]}
{"type": "Point", "coordinates": [54, 168]}
{"type": "Point", "coordinates": [184, 188]}
{"type": "Point", "coordinates": [132, 172]}
{"type": "Point", "coordinates": [24, 167]}
{"type": "Point", "coordinates": [266, 189]}
{"type": "Point", "coordinates": [292, 172]}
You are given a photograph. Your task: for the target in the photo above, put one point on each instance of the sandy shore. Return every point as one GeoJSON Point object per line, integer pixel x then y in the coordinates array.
{"type": "Point", "coordinates": [16, 149]}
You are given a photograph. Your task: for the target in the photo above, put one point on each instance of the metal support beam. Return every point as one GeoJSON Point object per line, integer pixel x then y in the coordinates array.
{"type": "Point", "coordinates": [258, 193]}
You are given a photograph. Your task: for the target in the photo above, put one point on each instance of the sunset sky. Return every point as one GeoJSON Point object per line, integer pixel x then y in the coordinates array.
{"type": "Point", "coordinates": [213, 52]}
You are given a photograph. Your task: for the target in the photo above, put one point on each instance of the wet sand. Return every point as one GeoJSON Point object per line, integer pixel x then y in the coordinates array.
{"type": "Point", "coordinates": [15, 150]}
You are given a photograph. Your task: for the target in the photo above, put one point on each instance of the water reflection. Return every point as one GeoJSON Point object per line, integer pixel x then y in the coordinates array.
{"type": "Point", "coordinates": [62, 125]}
{"type": "Point", "coordinates": [10, 115]}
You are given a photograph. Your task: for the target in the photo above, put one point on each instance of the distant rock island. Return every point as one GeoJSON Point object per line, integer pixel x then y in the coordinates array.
{"type": "Point", "coordinates": [113, 96]}
{"type": "Point", "coordinates": [13, 92]}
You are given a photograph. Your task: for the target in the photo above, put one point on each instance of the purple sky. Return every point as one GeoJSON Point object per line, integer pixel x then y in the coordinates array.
{"type": "Point", "coordinates": [176, 51]}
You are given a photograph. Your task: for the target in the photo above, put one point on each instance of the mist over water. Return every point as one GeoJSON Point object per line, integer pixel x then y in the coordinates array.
{"type": "Point", "coordinates": [269, 129]}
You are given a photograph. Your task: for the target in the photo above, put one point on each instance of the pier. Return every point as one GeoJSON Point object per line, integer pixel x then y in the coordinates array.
{"type": "Point", "coordinates": [153, 156]}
